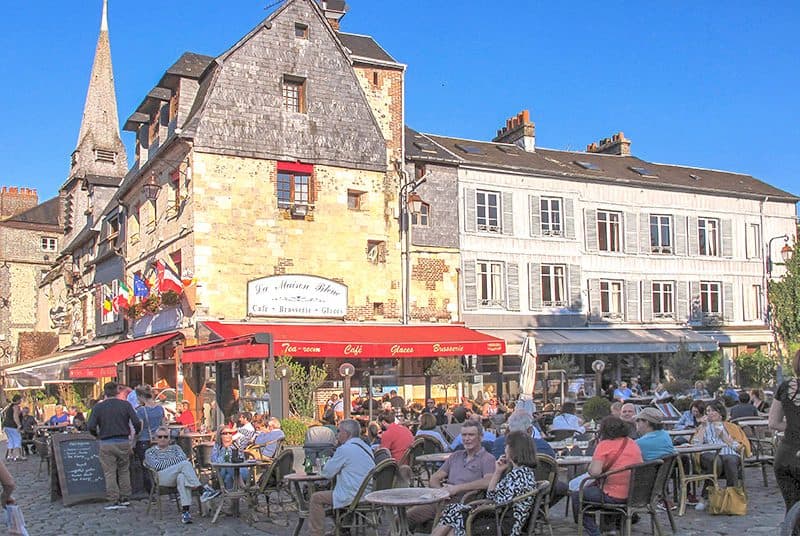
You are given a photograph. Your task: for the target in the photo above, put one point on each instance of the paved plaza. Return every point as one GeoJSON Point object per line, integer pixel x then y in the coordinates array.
{"type": "Point", "coordinates": [46, 518]}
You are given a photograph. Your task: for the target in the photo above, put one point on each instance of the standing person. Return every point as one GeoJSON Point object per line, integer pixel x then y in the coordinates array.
{"type": "Point", "coordinates": [350, 465]}
{"type": "Point", "coordinates": [623, 393]}
{"type": "Point", "coordinates": [12, 422]}
{"type": "Point", "coordinates": [173, 468]}
{"type": "Point", "coordinates": [784, 416]}
{"type": "Point", "coordinates": [152, 417]}
{"type": "Point", "coordinates": [111, 421]}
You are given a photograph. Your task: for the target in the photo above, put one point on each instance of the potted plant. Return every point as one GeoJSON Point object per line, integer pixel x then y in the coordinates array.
{"type": "Point", "coordinates": [170, 298]}
{"type": "Point", "coordinates": [152, 304]}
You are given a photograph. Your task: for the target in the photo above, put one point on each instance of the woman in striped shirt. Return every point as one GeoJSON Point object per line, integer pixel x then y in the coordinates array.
{"type": "Point", "coordinates": [716, 431]}
{"type": "Point", "coordinates": [173, 468]}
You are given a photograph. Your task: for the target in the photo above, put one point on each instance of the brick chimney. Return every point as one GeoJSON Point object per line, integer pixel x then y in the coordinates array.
{"type": "Point", "coordinates": [617, 144]}
{"type": "Point", "coordinates": [333, 10]}
{"type": "Point", "coordinates": [15, 200]}
{"type": "Point", "coordinates": [520, 131]}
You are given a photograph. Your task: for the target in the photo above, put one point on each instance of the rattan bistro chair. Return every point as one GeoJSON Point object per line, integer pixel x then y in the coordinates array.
{"type": "Point", "coordinates": [491, 519]}
{"type": "Point", "coordinates": [358, 515]}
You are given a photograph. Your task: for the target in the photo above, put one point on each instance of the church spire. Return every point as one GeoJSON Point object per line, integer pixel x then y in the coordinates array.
{"type": "Point", "coordinates": [100, 150]}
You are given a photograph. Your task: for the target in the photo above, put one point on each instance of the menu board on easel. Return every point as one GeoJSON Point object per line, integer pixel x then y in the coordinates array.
{"type": "Point", "coordinates": [77, 459]}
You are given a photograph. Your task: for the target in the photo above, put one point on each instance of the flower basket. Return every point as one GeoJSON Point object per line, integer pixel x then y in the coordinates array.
{"type": "Point", "coordinates": [152, 304]}
{"type": "Point", "coordinates": [170, 298]}
{"type": "Point", "coordinates": [135, 311]}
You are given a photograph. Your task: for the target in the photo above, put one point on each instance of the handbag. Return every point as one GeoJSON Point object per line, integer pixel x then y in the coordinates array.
{"type": "Point", "coordinates": [15, 521]}
{"type": "Point", "coordinates": [731, 501]}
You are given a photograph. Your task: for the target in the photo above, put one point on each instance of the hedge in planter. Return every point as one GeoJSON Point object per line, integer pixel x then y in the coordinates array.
{"type": "Point", "coordinates": [596, 408]}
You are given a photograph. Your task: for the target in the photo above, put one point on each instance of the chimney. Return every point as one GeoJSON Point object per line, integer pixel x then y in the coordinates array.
{"type": "Point", "coordinates": [333, 10]}
{"type": "Point", "coordinates": [617, 144]}
{"type": "Point", "coordinates": [15, 200]}
{"type": "Point", "coordinates": [520, 131]}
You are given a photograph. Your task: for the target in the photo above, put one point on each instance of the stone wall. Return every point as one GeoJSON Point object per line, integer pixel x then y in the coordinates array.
{"type": "Point", "coordinates": [14, 200]}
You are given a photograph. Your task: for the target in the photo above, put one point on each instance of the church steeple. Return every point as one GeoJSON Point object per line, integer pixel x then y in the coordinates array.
{"type": "Point", "coordinates": [100, 150]}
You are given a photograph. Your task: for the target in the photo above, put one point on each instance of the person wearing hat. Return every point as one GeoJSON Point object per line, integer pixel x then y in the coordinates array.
{"type": "Point", "coordinates": [12, 422]}
{"type": "Point", "coordinates": [654, 441]}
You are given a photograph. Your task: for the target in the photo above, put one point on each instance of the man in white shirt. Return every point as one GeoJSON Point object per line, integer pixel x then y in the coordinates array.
{"type": "Point", "coordinates": [350, 465]}
{"type": "Point", "coordinates": [246, 432]}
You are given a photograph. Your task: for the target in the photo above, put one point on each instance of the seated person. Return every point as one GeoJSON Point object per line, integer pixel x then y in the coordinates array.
{"type": "Point", "coordinates": [223, 451]}
{"type": "Point", "coordinates": [268, 440]}
{"type": "Point", "coordinates": [744, 408]}
{"type": "Point", "coordinates": [716, 431]}
{"type": "Point", "coordinates": [614, 451]}
{"type": "Point", "coordinates": [661, 393]}
{"type": "Point", "coordinates": [374, 432]}
{"type": "Point", "coordinates": [186, 417]}
{"type": "Point", "coordinates": [628, 415]}
{"type": "Point", "coordinates": [246, 432]}
{"type": "Point", "coordinates": [691, 417]}
{"type": "Point", "coordinates": [438, 411]}
{"type": "Point", "coordinates": [567, 420]}
{"type": "Point", "coordinates": [319, 441]}
{"type": "Point", "coordinates": [79, 422]}
{"type": "Point", "coordinates": [395, 437]}
{"type": "Point", "coordinates": [61, 418]}
{"type": "Point", "coordinates": [622, 393]}
{"type": "Point", "coordinates": [699, 391]}
{"type": "Point", "coordinates": [427, 427]}
{"type": "Point", "coordinates": [616, 408]}
{"type": "Point", "coordinates": [654, 441]}
{"type": "Point", "coordinates": [513, 476]}
{"type": "Point", "coordinates": [465, 470]}
{"type": "Point", "coordinates": [486, 436]}
{"type": "Point", "coordinates": [350, 465]}
{"type": "Point", "coordinates": [173, 468]}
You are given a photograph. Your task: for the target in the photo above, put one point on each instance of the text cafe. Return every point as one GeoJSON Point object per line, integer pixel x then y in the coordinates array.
{"type": "Point", "coordinates": [398, 354]}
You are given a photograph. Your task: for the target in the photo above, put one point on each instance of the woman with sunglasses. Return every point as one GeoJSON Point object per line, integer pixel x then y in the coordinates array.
{"type": "Point", "coordinates": [173, 469]}
{"type": "Point", "coordinates": [714, 430]}
{"type": "Point", "coordinates": [223, 452]}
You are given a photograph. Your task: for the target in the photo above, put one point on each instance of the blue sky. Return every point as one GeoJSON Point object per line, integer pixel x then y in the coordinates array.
{"type": "Point", "coordinates": [688, 83]}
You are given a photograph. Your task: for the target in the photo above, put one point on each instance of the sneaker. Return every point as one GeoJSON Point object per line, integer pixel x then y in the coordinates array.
{"type": "Point", "coordinates": [209, 494]}
{"type": "Point", "coordinates": [186, 518]}
{"type": "Point", "coordinates": [664, 505]}
{"type": "Point", "coordinates": [115, 506]}
{"type": "Point", "coordinates": [124, 501]}
{"type": "Point", "coordinates": [691, 499]}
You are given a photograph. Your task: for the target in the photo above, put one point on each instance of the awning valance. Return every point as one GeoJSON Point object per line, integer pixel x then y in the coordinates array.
{"type": "Point", "coordinates": [104, 364]}
{"type": "Point", "coordinates": [351, 341]}
{"type": "Point", "coordinates": [608, 340]}
{"type": "Point", "coordinates": [52, 368]}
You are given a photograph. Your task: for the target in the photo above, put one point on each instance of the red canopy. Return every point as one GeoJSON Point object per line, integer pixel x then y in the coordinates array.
{"type": "Point", "coordinates": [352, 341]}
{"type": "Point", "coordinates": [104, 364]}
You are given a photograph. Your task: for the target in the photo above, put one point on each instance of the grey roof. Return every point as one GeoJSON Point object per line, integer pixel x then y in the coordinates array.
{"type": "Point", "coordinates": [612, 168]}
{"type": "Point", "coordinates": [46, 213]}
{"type": "Point", "coordinates": [160, 93]}
{"type": "Point", "coordinates": [102, 180]}
{"type": "Point", "coordinates": [136, 119]}
{"type": "Point", "coordinates": [420, 147]}
{"type": "Point", "coordinates": [190, 65]}
{"type": "Point", "coordinates": [337, 5]}
{"type": "Point", "coordinates": [85, 235]}
{"type": "Point", "coordinates": [364, 46]}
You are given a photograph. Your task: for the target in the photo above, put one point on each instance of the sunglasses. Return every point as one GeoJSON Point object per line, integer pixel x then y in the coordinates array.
{"type": "Point", "coordinates": [162, 437]}
{"type": "Point", "coordinates": [227, 433]}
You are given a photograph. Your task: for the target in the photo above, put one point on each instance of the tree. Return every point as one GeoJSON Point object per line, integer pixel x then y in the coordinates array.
{"type": "Point", "coordinates": [565, 363]}
{"type": "Point", "coordinates": [682, 368]}
{"type": "Point", "coordinates": [784, 300]}
{"type": "Point", "coordinates": [756, 369]}
{"type": "Point", "coordinates": [303, 382]}
{"type": "Point", "coordinates": [447, 372]}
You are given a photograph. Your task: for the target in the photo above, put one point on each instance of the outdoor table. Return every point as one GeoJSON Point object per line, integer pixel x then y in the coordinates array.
{"type": "Point", "coordinates": [688, 449]}
{"type": "Point", "coordinates": [754, 422]}
{"type": "Point", "coordinates": [685, 432]}
{"type": "Point", "coordinates": [573, 461]}
{"type": "Point", "coordinates": [238, 491]}
{"type": "Point", "coordinates": [296, 482]}
{"type": "Point", "coordinates": [640, 400]}
{"type": "Point", "coordinates": [436, 457]}
{"type": "Point", "coordinates": [401, 498]}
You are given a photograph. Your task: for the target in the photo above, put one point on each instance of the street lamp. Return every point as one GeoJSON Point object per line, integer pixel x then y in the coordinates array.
{"type": "Point", "coordinates": [598, 367]}
{"type": "Point", "coordinates": [346, 370]}
{"type": "Point", "coordinates": [786, 253]}
{"type": "Point", "coordinates": [151, 188]}
{"type": "Point", "coordinates": [410, 203]}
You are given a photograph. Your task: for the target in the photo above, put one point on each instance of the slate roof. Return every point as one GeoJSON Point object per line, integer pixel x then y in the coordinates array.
{"type": "Point", "coordinates": [102, 180]}
{"type": "Point", "coordinates": [337, 5]}
{"type": "Point", "coordinates": [46, 213]}
{"type": "Point", "coordinates": [190, 65]}
{"type": "Point", "coordinates": [364, 46]}
{"type": "Point", "coordinates": [610, 168]}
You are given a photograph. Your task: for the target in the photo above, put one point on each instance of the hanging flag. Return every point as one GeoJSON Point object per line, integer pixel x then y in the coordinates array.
{"type": "Point", "coordinates": [108, 300]}
{"type": "Point", "coordinates": [140, 288]}
{"type": "Point", "coordinates": [124, 297]}
{"type": "Point", "coordinates": [170, 264]}
{"type": "Point", "coordinates": [167, 280]}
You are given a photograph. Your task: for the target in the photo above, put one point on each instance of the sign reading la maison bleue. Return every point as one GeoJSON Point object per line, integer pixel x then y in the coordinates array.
{"type": "Point", "coordinates": [296, 296]}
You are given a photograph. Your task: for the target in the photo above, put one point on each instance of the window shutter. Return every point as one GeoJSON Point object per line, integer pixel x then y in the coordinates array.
{"type": "Point", "coordinates": [680, 235]}
{"type": "Point", "coordinates": [536, 215]}
{"type": "Point", "coordinates": [535, 286]}
{"type": "Point", "coordinates": [644, 234]}
{"type": "Point", "coordinates": [694, 242]}
{"type": "Point", "coordinates": [569, 219]}
{"type": "Point", "coordinates": [470, 286]}
{"type": "Point", "coordinates": [726, 230]}
{"type": "Point", "coordinates": [632, 299]}
{"type": "Point", "coordinates": [590, 220]}
{"type": "Point", "coordinates": [470, 212]}
{"type": "Point", "coordinates": [508, 213]}
{"type": "Point", "coordinates": [682, 298]}
{"type": "Point", "coordinates": [576, 302]}
{"type": "Point", "coordinates": [747, 303]}
{"type": "Point", "coordinates": [595, 313]}
{"type": "Point", "coordinates": [727, 302]}
{"type": "Point", "coordinates": [512, 286]}
{"type": "Point", "coordinates": [631, 245]}
{"type": "Point", "coordinates": [695, 309]}
{"type": "Point", "coordinates": [647, 301]}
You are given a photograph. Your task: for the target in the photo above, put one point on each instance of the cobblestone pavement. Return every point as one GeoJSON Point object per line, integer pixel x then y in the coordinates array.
{"type": "Point", "coordinates": [46, 518]}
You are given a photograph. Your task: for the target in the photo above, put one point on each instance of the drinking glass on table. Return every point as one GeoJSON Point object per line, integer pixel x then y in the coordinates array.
{"type": "Point", "coordinates": [582, 446]}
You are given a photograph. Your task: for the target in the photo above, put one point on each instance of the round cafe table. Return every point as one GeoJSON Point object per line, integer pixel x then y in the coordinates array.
{"type": "Point", "coordinates": [436, 457]}
{"type": "Point", "coordinates": [685, 432]}
{"type": "Point", "coordinates": [296, 483]}
{"type": "Point", "coordinates": [237, 491]}
{"type": "Point", "coordinates": [401, 498]}
{"type": "Point", "coordinates": [572, 461]}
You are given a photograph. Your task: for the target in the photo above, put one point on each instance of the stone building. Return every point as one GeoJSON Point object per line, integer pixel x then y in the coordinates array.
{"type": "Point", "coordinates": [601, 255]}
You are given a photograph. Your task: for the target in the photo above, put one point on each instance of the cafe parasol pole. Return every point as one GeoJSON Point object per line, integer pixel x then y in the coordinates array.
{"type": "Point", "coordinates": [527, 374]}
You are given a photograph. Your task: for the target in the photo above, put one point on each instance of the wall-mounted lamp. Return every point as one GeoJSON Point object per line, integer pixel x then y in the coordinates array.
{"type": "Point", "coordinates": [415, 203]}
{"type": "Point", "coordinates": [151, 188]}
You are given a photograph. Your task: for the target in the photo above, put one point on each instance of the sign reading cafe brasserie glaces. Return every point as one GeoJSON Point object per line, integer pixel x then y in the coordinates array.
{"type": "Point", "coordinates": [298, 296]}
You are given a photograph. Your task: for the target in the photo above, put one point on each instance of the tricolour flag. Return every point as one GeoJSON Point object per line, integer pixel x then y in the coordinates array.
{"type": "Point", "coordinates": [124, 296]}
{"type": "Point", "coordinates": [167, 279]}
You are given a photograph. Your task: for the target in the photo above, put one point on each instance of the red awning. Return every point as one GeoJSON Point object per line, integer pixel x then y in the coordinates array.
{"type": "Point", "coordinates": [104, 364]}
{"type": "Point", "coordinates": [350, 341]}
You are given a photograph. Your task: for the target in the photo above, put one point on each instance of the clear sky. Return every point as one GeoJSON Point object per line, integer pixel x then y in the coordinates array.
{"type": "Point", "coordinates": [703, 84]}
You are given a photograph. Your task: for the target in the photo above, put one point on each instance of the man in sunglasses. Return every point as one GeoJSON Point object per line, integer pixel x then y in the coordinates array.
{"type": "Point", "coordinates": [173, 469]}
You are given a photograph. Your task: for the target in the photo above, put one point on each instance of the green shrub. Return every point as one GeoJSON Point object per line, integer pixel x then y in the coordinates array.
{"type": "Point", "coordinates": [756, 369]}
{"type": "Point", "coordinates": [295, 430]}
{"type": "Point", "coordinates": [678, 387]}
{"type": "Point", "coordinates": [596, 408]}
{"type": "Point", "coordinates": [682, 404]}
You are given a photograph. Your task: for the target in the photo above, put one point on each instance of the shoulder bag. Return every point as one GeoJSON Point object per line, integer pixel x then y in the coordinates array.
{"type": "Point", "coordinates": [731, 501]}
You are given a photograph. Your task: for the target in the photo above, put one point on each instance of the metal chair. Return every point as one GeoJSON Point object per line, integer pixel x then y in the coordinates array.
{"type": "Point", "coordinates": [421, 445]}
{"type": "Point", "coordinates": [358, 514]}
{"type": "Point", "coordinates": [687, 479]}
{"type": "Point", "coordinates": [561, 435]}
{"type": "Point", "coordinates": [642, 496]}
{"type": "Point", "coordinates": [158, 489]}
{"type": "Point", "coordinates": [42, 445]}
{"type": "Point", "coordinates": [762, 446]}
{"type": "Point", "coordinates": [490, 518]}
{"type": "Point", "coordinates": [272, 480]}
{"type": "Point", "coordinates": [546, 469]}
{"type": "Point", "coordinates": [662, 479]}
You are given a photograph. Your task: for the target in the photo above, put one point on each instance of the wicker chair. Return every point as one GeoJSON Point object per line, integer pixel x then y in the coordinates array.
{"type": "Point", "coordinates": [358, 515]}
{"type": "Point", "coordinates": [546, 469]}
{"type": "Point", "coordinates": [158, 489]}
{"type": "Point", "coordinates": [272, 480]}
{"type": "Point", "coordinates": [488, 514]}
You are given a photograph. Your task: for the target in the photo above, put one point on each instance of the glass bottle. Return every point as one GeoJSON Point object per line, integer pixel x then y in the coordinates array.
{"type": "Point", "coordinates": [308, 465]}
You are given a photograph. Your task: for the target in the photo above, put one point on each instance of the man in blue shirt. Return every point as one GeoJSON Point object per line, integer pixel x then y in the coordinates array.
{"type": "Point", "coordinates": [622, 393]}
{"type": "Point", "coordinates": [654, 441]}
{"type": "Point", "coordinates": [520, 421]}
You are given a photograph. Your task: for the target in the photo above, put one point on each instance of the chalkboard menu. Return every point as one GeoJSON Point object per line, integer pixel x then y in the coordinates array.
{"type": "Point", "coordinates": [80, 474]}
